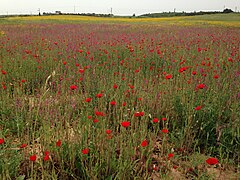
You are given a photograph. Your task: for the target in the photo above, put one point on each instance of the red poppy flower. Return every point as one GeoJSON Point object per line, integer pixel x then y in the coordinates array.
{"type": "Point", "coordinates": [165, 131]}
{"type": "Point", "coordinates": [131, 87]}
{"type": "Point", "coordinates": [46, 153]}
{"type": "Point", "coordinates": [113, 103]}
{"type": "Point", "coordinates": [164, 119]}
{"type": "Point", "coordinates": [59, 143]}
{"type": "Point", "coordinates": [108, 131]}
{"type": "Point", "coordinates": [1, 140]}
{"type": "Point", "coordinates": [4, 72]}
{"type": "Point", "coordinates": [95, 120]}
{"type": "Point", "coordinates": [73, 87]}
{"type": "Point", "coordinates": [99, 95]}
{"type": "Point", "coordinates": [23, 146]}
{"type": "Point", "coordinates": [194, 73]}
{"type": "Point", "coordinates": [33, 158]}
{"type": "Point", "coordinates": [144, 143]}
{"type": "Point", "coordinates": [169, 76]}
{"type": "Point", "coordinates": [88, 100]}
{"type": "Point", "coordinates": [46, 157]}
{"type": "Point", "coordinates": [170, 155]}
{"type": "Point", "coordinates": [85, 151]}
{"type": "Point", "coordinates": [64, 63]}
{"type": "Point", "coordinates": [155, 120]}
{"type": "Point", "coordinates": [200, 86]}
{"type": "Point", "coordinates": [212, 161]}
{"type": "Point", "coordinates": [98, 113]}
{"type": "Point", "coordinates": [89, 117]}
{"type": "Point", "coordinates": [175, 167]}
{"type": "Point", "coordinates": [115, 86]}
{"type": "Point", "coordinates": [139, 114]}
{"type": "Point", "coordinates": [23, 80]}
{"type": "Point", "coordinates": [81, 71]}
{"type": "Point", "coordinates": [182, 69]}
{"type": "Point", "coordinates": [124, 104]}
{"type": "Point", "coordinates": [230, 59]}
{"type": "Point", "coordinates": [216, 76]}
{"type": "Point", "coordinates": [198, 108]}
{"type": "Point", "coordinates": [125, 124]}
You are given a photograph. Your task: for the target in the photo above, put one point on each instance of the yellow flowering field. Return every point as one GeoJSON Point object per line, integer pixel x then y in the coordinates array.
{"type": "Point", "coordinates": [231, 20]}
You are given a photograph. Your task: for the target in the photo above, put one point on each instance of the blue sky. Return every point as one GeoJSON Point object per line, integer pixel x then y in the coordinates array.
{"type": "Point", "coordinates": [119, 7]}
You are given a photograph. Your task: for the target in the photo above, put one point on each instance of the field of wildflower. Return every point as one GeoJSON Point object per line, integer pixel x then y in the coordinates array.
{"type": "Point", "coordinates": [119, 100]}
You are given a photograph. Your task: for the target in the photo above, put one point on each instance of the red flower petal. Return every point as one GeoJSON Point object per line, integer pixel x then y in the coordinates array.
{"type": "Point", "coordinates": [33, 157]}
{"type": "Point", "coordinates": [1, 140]}
{"type": "Point", "coordinates": [165, 131]}
{"type": "Point", "coordinates": [125, 124]}
{"type": "Point", "coordinates": [212, 161]}
{"type": "Point", "coordinates": [85, 151]}
{"type": "Point", "coordinates": [144, 143]}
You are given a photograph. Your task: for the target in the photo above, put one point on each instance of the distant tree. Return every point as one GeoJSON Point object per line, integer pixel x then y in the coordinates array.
{"type": "Point", "coordinates": [227, 10]}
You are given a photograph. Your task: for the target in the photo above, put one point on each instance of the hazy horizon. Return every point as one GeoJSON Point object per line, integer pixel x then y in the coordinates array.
{"type": "Point", "coordinates": [122, 7]}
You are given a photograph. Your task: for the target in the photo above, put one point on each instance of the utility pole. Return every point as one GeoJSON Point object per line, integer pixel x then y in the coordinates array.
{"type": "Point", "coordinates": [39, 12]}
{"type": "Point", "coordinates": [111, 11]}
{"type": "Point", "coordinates": [74, 9]}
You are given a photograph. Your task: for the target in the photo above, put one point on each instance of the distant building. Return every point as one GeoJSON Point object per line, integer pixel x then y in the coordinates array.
{"type": "Point", "coordinates": [58, 12]}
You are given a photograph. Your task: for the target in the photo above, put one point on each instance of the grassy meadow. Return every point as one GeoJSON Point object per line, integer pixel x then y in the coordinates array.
{"type": "Point", "coordinates": [120, 98]}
